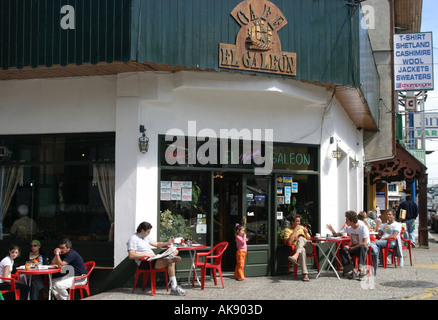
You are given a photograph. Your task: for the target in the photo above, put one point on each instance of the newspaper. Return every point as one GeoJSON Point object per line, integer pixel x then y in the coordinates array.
{"type": "Point", "coordinates": [166, 253]}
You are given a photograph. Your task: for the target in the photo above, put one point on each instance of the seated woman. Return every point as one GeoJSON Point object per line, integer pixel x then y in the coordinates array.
{"type": "Point", "coordinates": [6, 266]}
{"type": "Point", "coordinates": [37, 280]}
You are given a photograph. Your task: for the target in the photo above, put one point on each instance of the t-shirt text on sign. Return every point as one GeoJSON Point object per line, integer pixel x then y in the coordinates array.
{"type": "Point", "coordinates": [413, 61]}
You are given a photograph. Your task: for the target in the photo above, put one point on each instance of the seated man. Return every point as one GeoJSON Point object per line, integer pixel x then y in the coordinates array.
{"type": "Point", "coordinates": [139, 246]}
{"type": "Point", "coordinates": [390, 231]}
{"type": "Point", "coordinates": [360, 240]}
{"type": "Point", "coordinates": [299, 237]}
{"type": "Point", "coordinates": [66, 255]}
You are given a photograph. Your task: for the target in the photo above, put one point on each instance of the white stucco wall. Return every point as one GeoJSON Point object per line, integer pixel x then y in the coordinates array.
{"type": "Point", "coordinates": [85, 104]}
{"type": "Point", "coordinates": [295, 111]}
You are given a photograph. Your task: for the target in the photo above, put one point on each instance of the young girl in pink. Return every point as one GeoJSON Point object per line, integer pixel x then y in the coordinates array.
{"type": "Point", "coordinates": [241, 252]}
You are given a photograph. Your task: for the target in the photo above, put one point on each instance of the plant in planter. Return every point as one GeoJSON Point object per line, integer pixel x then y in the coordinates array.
{"type": "Point", "coordinates": [173, 225]}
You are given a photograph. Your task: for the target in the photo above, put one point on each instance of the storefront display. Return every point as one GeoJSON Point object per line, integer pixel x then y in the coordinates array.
{"type": "Point", "coordinates": [66, 182]}
{"type": "Point", "coordinates": [191, 209]}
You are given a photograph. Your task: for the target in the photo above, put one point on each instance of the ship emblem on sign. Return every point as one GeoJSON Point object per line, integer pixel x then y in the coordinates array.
{"type": "Point", "coordinates": [259, 36]}
{"type": "Point", "coordinates": [258, 46]}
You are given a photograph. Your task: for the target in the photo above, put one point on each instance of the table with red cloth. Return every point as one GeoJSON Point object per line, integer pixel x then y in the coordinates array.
{"type": "Point", "coordinates": [45, 270]}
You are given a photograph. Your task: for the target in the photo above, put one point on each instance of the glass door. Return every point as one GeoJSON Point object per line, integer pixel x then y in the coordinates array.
{"type": "Point", "coordinates": [242, 198]}
{"type": "Point", "coordinates": [258, 218]}
{"type": "Point", "coordinates": [227, 211]}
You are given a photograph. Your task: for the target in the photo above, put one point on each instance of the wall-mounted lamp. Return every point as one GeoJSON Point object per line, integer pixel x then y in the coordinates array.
{"type": "Point", "coordinates": [143, 141]}
{"type": "Point", "coordinates": [355, 163]}
{"type": "Point", "coordinates": [368, 167]}
{"type": "Point", "coordinates": [337, 153]}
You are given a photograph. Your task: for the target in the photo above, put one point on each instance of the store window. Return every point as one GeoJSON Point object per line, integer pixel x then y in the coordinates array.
{"type": "Point", "coordinates": [55, 186]}
{"type": "Point", "coordinates": [297, 194]}
{"type": "Point", "coordinates": [257, 210]}
{"type": "Point", "coordinates": [185, 205]}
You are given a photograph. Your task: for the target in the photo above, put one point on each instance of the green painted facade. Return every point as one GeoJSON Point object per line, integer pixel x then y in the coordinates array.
{"type": "Point", "coordinates": [35, 33]}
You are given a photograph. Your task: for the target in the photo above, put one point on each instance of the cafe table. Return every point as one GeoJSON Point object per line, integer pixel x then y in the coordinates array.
{"type": "Point", "coordinates": [34, 271]}
{"type": "Point", "coordinates": [192, 251]}
{"type": "Point", "coordinates": [330, 254]}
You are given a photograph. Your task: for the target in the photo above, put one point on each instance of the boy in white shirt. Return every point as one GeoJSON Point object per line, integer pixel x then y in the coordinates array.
{"type": "Point", "coordinates": [360, 240]}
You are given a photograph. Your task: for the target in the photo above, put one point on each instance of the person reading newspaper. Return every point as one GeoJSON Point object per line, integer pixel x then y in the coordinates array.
{"type": "Point", "coordinates": [140, 246]}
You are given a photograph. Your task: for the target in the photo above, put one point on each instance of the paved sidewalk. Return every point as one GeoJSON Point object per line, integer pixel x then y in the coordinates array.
{"type": "Point", "coordinates": [419, 281]}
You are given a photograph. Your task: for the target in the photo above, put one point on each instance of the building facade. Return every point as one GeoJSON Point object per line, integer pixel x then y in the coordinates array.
{"type": "Point", "coordinates": [253, 110]}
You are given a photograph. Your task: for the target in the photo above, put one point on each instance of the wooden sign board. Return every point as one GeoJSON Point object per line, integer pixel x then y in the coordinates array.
{"type": "Point", "coordinates": [258, 46]}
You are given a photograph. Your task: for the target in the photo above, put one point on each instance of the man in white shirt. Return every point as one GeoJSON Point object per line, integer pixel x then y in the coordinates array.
{"type": "Point", "coordinates": [140, 246]}
{"type": "Point", "coordinates": [390, 231]}
{"type": "Point", "coordinates": [360, 240]}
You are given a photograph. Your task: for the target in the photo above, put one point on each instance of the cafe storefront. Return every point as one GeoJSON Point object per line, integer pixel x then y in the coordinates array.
{"type": "Point", "coordinates": [205, 202]}
{"type": "Point", "coordinates": [272, 114]}
{"type": "Point", "coordinates": [218, 158]}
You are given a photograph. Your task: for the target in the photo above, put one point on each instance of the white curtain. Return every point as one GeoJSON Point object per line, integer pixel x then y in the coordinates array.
{"type": "Point", "coordinates": [104, 178]}
{"type": "Point", "coordinates": [10, 177]}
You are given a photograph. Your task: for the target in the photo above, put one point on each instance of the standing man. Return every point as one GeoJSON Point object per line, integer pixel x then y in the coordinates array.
{"type": "Point", "coordinates": [139, 246]}
{"type": "Point", "coordinates": [65, 255]}
{"type": "Point", "coordinates": [360, 240]}
{"type": "Point", "coordinates": [299, 237]}
{"type": "Point", "coordinates": [411, 215]}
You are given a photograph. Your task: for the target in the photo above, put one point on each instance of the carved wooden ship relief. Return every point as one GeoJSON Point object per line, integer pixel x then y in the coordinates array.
{"type": "Point", "coordinates": [258, 46]}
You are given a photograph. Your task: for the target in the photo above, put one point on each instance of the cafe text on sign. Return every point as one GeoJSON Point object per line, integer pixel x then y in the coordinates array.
{"type": "Point", "coordinates": [258, 46]}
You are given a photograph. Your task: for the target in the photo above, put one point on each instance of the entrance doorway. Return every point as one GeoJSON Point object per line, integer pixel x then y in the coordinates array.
{"type": "Point", "coordinates": [227, 212]}
{"type": "Point", "coordinates": [243, 198]}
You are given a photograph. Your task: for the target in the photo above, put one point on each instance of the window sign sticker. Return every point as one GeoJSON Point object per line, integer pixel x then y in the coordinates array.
{"type": "Point", "coordinates": [201, 228]}
{"type": "Point", "coordinates": [294, 187]}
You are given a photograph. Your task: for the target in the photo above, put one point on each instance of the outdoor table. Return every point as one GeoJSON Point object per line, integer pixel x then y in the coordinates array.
{"type": "Point", "coordinates": [192, 251]}
{"type": "Point", "coordinates": [335, 244]}
{"type": "Point", "coordinates": [46, 270]}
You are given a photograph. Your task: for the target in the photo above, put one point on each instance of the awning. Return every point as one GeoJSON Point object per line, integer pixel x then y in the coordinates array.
{"type": "Point", "coordinates": [403, 166]}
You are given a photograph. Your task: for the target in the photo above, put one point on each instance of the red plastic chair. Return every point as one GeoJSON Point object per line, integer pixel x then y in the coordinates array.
{"type": "Point", "coordinates": [369, 260]}
{"type": "Point", "coordinates": [408, 246]}
{"type": "Point", "coordinates": [153, 273]}
{"type": "Point", "coordinates": [385, 252]}
{"type": "Point", "coordinates": [215, 265]}
{"type": "Point", "coordinates": [314, 254]}
{"type": "Point", "coordinates": [13, 287]}
{"type": "Point", "coordinates": [89, 266]}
